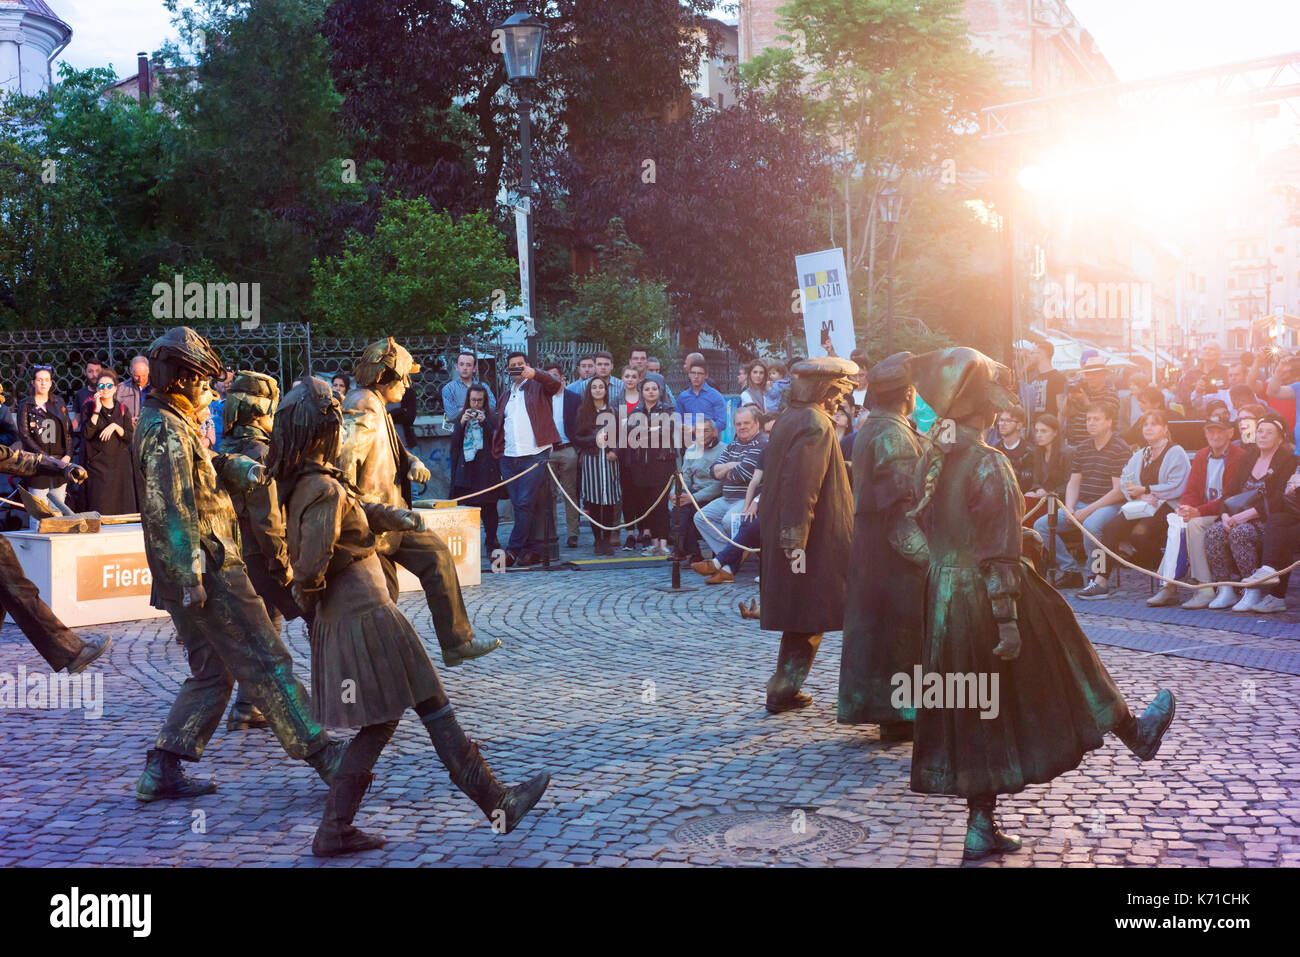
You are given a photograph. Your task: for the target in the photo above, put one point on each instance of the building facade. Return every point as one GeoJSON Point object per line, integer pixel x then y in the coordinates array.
{"type": "Point", "coordinates": [31, 36]}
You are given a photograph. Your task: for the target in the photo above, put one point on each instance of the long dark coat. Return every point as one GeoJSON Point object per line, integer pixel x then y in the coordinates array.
{"type": "Point", "coordinates": [1056, 700]}
{"type": "Point", "coordinates": [110, 488]}
{"type": "Point", "coordinates": [884, 617]}
{"type": "Point", "coordinates": [806, 504]}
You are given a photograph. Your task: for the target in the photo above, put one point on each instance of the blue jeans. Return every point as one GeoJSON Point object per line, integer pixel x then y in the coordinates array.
{"type": "Point", "coordinates": [732, 557]}
{"type": "Point", "coordinates": [1094, 523]}
{"type": "Point", "coordinates": [523, 498]}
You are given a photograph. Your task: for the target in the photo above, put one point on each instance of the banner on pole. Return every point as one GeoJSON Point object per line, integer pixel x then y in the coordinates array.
{"type": "Point", "coordinates": [522, 212]}
{"type": "Point", "coordinates": [824, 292]}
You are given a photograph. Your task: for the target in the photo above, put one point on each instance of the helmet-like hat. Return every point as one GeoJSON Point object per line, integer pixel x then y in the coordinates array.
{"type": "Point", "coordinates": [381, 355]}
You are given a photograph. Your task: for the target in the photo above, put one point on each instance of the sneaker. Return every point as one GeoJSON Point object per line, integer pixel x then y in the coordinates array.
{"type": "Point", "coordinates": [1264, 575]}
{"type": "Point", "coordinates": [1249, 600]}
{"type": "Point", "coordinates": [630, 544]}
{"type": "Point", "coordinates": [1201, 598]}
{"type": "Point", "coordinates": [572, 542]}
{"type": "Point", "coordinates": [1094, 591]}
{"type": "Point", "coordinates": [1226, 598]}
{"type": "Point", "coordinates": [1270, 605]}
{"type": "Point", "coordinates": [1066, 580]}
{"type": "Point", "coordinates": [1167, 595]}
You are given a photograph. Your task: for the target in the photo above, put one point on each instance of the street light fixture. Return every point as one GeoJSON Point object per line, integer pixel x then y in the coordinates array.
{"type": "Point", "coordinates": [890, 203]}
{"type": "Point", "coordinates": [522, 36]}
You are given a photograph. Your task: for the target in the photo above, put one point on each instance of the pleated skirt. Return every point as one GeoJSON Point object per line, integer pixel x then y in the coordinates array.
{"type": "Point", "coordinates": [600, 480]}
{"type": "Point", "coordinates": [368, 664]}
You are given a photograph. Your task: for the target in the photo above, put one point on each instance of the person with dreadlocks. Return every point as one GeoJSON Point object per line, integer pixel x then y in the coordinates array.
{"type": "Point", "coordinates": [805, 521]}
{"type": "Point", "coordinates": [990, 613]}
{"type": "Point", "coordinates": [200, 580]}
{"type": "Point", "coordinates": [251, 401]}
{"type": "Point", "coordinates": [368, 664]}
{"type": "Point", "coordinates": [374, 459]}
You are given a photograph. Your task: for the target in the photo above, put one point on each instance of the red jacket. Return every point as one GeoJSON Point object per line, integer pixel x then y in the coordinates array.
{"type": "Point", "coordinates": [537, 399]}
{"type": "Point", "coordinates": [1195, 494]}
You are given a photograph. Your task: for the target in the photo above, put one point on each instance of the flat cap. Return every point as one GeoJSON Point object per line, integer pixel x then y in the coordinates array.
{"type": "Point", "coordinates": [892, 373]}
{"type": "Point", "coordinates": [832, 366]}
{"type": "Point", "coordinates": [256, 384]}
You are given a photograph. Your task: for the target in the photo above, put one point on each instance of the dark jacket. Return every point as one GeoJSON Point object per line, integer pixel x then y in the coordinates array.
{"type": "Point", "coordinates": [572, 403]}
{"type": "Point", "coordinates": [650, 466]}
{"type": "Point", "coordinates": [537, 399]}
{"type": "Point", "coordinates": [1280, 470]}
{"type": "Point", "coordinates": [481, 473]}
{"type": "Point", "coordinates": [1022, 462]}
{"type": "Point", "coordinates": [45, 431]}
{"type": "Point", "coordinates": [1195, 494]}
{"type": "Point", "coordinates": [1054, 476]}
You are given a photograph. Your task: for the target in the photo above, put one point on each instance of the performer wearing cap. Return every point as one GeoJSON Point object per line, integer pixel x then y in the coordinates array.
{"type": "Point", "coordinates": [58, 644]}
{"type": "Point", "coordinates": [988, 613]}
{"type": "Point", "coordinates": [883, 625]}
{"type": "Point", "coordinates": [373, 459]}
{"type": "Point", "coordinates": [251, 402]}
{"type": "Point", "coordinates": [804, 518]}
{"type": "Point", "coordinates": [200, 579]}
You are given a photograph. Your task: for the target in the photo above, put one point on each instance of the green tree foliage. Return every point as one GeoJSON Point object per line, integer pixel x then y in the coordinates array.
{"type": "Point", "coordinates": [420, 272]}
{"type": "Point", "coordinates": [616, 303]}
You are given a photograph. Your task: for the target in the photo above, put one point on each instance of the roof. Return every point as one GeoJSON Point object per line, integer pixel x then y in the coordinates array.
{"type": "Point", "coordinates": [41, 8]}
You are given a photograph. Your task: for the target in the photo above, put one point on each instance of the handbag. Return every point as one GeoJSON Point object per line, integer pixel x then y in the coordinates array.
{"type": "Point", "coordinates": [1242, 501]}
{"type": "Point", "coordinates": [1137, 509]}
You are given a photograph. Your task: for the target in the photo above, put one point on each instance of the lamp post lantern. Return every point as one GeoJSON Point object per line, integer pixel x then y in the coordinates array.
{"type": "Point", "coordinates": [890, 203]}
{"type": "Point", "coordinates": [521, 37]}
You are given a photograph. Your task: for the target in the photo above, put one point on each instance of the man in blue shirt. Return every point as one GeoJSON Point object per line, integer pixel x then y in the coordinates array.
{"type": "Point", "coordinates": [604, 368]}
{"type": "Point", "coordinates": [702, 399]}
{"type": "Point", "coordinates": [454, 392]}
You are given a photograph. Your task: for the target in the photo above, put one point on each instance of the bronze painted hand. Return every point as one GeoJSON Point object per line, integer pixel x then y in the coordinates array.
{"type": "Point", "coordinates": [1008, 646]}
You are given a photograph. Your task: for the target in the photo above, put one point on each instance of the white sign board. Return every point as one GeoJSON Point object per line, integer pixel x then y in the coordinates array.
{"type": "Point", "coordinates": [521, 236]}
{"type": "Point", "coordinates": [824, 292]}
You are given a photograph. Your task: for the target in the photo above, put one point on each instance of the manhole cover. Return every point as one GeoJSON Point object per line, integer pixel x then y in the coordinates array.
{"type": "Point", "coordinates": [796, 832]}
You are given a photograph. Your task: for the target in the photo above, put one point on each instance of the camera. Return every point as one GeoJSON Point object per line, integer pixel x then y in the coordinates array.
{"type": "Point", "coordinates": [514, 373]}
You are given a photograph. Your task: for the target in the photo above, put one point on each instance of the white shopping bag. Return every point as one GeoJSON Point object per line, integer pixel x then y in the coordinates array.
{"type": "Point", "coordinates": [1173, 547]}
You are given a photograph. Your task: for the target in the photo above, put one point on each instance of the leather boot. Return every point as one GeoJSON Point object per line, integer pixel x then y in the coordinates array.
{"type": "Point", "coordinates": [895, 732]}
{"type": "Point", "coordinates": [244, 716]}
{"type": "Point", "coordinates": [793, 662]}
{"type": "Point", "coordinates": [91, 651]}
{"type": "Point", "coordinates": [476, 648]}
{"type": "Point", "coordinates": [327, 760]}
{"type": "Point", "coordinates": [983, 835]}
{"type": "Point", "coordinates": [504, 806]}
{"type": "Point", "coordinates": [1143, 735]}
{"type": "Point", "coordinates": [336, 835]}
{"type": "Point", "coordinates": [163, 778]}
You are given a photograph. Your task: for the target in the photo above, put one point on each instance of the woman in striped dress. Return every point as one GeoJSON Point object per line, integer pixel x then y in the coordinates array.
{"type": "Point", "coordinates": [601, 489]}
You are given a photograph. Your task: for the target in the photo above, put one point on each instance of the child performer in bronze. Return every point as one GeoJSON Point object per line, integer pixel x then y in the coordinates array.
{"type": "Point", "coordinates": [990, 614]}
{"type": "Point", "coordinates": [368, 665]}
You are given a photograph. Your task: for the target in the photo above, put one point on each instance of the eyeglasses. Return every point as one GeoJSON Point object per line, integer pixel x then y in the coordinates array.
{"type": "Point", "coordinates": [105, 385]}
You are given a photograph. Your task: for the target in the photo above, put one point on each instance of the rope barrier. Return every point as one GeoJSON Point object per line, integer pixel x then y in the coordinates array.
{"type": "Point", "coordinates": [607, 528]}
{"type": "Point", "coordinates": [498, 485]}
{"type": "Point", "coordinates": [1264, 583]}
{"type": "Point", "coordinates": [700, 512]}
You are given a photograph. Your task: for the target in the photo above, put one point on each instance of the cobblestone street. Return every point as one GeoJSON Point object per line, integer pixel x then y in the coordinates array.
{"type": "Point", "coordinates": [648, 709]}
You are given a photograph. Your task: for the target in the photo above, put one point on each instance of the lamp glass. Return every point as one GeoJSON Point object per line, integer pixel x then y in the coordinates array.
{"type": "Point", "coordinates": [522, 46]}
{"type": "Point", "coordinates": [891, 201]}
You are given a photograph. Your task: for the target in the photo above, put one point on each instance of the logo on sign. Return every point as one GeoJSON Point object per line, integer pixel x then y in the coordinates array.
{"type": "Point", "coordinates": [822, 285]}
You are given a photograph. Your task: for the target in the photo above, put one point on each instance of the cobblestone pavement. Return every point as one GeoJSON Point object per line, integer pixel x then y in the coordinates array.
{"type": "Point", "coordinates": [648, 709]}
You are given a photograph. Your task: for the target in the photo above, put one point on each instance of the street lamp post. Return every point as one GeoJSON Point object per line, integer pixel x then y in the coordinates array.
{"type": "Point", "coordinates": [522, 35]}
{"type": "Point", "coordinates": [890, 202]}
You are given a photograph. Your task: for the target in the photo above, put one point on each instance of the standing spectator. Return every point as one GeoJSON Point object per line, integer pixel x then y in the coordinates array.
{"type": "Point", "coordinates": [564, 457]}
{"type": "Point", "coordinates": [1209, 367]}
{"type": "Point", "coordinates": [106, 425]}
{"type": "Point", "coordinates": [1088, 386]}
{"type": "Point", "coordinates": [44, 428]}
{"type": "Point", "coordinates": [601, 486]}
{"type": "Point", "coordinates": [777, 388]}
{"type": "Point", "coordinates": [8, 424]}
{"type": "Point", "coordinates": [473, 468]}
{"type": "Point", "coordinates": [1011, 442]}
{"type": "Point", "coordinates": [1214, 468]}
{"type": "Point", "coordinates": [218, 405]}
{"type": "Point", "coordinates": [701, 400]}
{"type": "Point", "coordinates": [1043, 390]}
{"type": "Point", "coordinates": [631, 389]}
{"type": "Point", "coordinates": [341, 385]}
{"type": "Point", "coordinates": [1283, 386]}
{"type": "Point", "coordinates": [638, 533]}
{"type": "Point", "coordinates": [775, 373]}
{"type": "Point", "coordinates": [524, 436]}
{"type": "Point", "coordinates": [735, 468]}
{"type": "Point", "coordinates": [1234, 545]}
{"type": "Point", "coordinates": [648, 464]}
{"type": "Point", "coordinates": [454, 392]}
{"type": "Point", "coordinates": [697, 475]}
{"type": "Point", "coordinates": [207, 428]}
{"type": "Point", "coordinates": [1157, 476]}
{"type": "Point", "coordinates": [604, 369]}
{"type": "Point", "coordinates": [859, 393]}
{"type": "Point", "coordinates": [755, 385]}
{"type": "Point", "coordinates": [85, 393]}
{"type": "Point", "coordinates": [639, 359]}
{"type": "Point", "coordinates": [132, 393]}
{"type": "Point", "coordinates": [653, 365]}
{"type": "Point", "coordinates": [1051, 467]}
{"type": "Point", "coordinates": [1093, 489]}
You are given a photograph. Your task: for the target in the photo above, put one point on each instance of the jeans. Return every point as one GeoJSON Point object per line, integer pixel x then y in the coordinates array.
{"type": "Point", "coordinates": [1094, 523]}
{"type": "Point", "coordinates": [719, 512]}
{"type": "Point", "coordinates": [731, 557]}
{"type": "Point", "coordinates": [523, 497]}
{"type": "Point", "coordinates": [59, 493]}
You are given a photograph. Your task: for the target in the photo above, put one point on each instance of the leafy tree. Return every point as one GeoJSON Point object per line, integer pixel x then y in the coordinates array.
{"type": "Point", "coordinates": [420, 272]}
{"type": "Point", "coordinates": [615, 303]}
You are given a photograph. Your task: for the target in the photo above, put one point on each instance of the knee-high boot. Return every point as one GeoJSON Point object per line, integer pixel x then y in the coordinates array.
{"type": "Point", "coordinates": [983, 835]}
{"type": "Point", "coordinates": [793, 662]}
{"type": "Point", "coordinates": [504, 806]}
{"type": "Point", "coordinates": [336, 835]}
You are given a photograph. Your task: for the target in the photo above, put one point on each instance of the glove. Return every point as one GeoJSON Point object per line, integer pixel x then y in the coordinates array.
{"type": "Point", "coordinates": [306, 600]}
{"type": "Point", "coordinates": [259, 475]}
{"type": "Point", "coordinates": [419, 474]}
{"type": "Point", "coordinates": [194, 597]}
{"type": "Point", "coordinates": [1008, 646]}
{"type": "Point", "coordinates": [282, 575]}
{"type": "Point", "coordinates": [74, 473]}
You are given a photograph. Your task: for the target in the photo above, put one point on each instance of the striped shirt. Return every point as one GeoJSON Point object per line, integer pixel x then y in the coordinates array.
{"type": "Point", "coordinates": [748, 455]}
{"type": "Point", "coordinates": [1098, 467]}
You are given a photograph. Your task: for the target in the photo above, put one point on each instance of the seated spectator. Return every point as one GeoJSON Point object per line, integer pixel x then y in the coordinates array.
{"type": "Point", "coordinates": [1093, 488]}
{"type": "Point", "coordinates": [1214, 468]}
{"type": "Point", "coordinates": [473, 467]}
{"type": "Point", "coordinates": [1011, 443]}
{"type": "Point", "coordinates": [1155, 475]}
{"type": "Point", "coordinates": [1281, 543]}
{"type": "Point", "coordinates": [722, 567]}
{"type": "Point", "coordinates": [1051, 463]}
{"type": "Point", "coordinates": [735, 468]}
{"type": "Point", "coordinates": [602, 488]}
{"type": "Point", "coordinates": [697, 473]}
{"type": "Point", "coordinates": [1248, 417]}
{"type": "Point", "coordinates": [1234, 546]}
{"type": "Point", "coordinates": [1149, 399]}
{"type": "Point", "coordinates": [755, 385]}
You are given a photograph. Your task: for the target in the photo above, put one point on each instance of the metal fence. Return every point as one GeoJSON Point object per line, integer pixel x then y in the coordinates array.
{"type": "Point", "coordinates": [283, 350]}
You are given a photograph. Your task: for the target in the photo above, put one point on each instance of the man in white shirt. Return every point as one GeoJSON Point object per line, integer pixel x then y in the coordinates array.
{"type": "Point", "coordinates": [524, 436]}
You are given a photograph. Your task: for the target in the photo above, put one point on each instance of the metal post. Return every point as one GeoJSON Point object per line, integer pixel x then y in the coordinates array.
{"type": "Point", "coordinates": [889, 308]}
{"type": "Point", "coordinates": [677, 585]}
{"type": "Point", "coordinates": [526, 185]}
{"type": "Point", "coordinates": [1051, 533]}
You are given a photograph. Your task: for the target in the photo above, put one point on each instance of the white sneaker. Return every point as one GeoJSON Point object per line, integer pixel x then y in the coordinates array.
{"type": "Point", "coordinates": [1264, 575]}
{"type": "Point", "coordinates": [1226, 598]}
{"type": "Point", "coordinates": [1270, 605]}
{"type": "Point", "coordinates": [1201, 598]}
{"type": "Point", "coordinates": [1249, 600]}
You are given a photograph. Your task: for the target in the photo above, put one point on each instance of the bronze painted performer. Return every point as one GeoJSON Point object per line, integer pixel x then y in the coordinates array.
{"type": "Point", "coordinates": [988, 614]}
{"type": "Point", "coordinates": [883, 620]}
{"type": "Point", "coordinates": [199, 578]}
{"type": "Point", "coordinates": [58, 644]}
{"type": "Point", "coordinates": [250, 407]}
{"type": "Point", "coordinates": [805, 524]}
{"type": "Point", "coordinates": [374, 459]}
{"type": "Point", "coordinates": [368, 664]}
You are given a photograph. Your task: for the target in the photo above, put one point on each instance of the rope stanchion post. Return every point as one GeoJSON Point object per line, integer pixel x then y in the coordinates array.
{"type": "Point", "coordinates": [677, 585]}
{"type": "Point", "coordinates": [1051, 532]}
